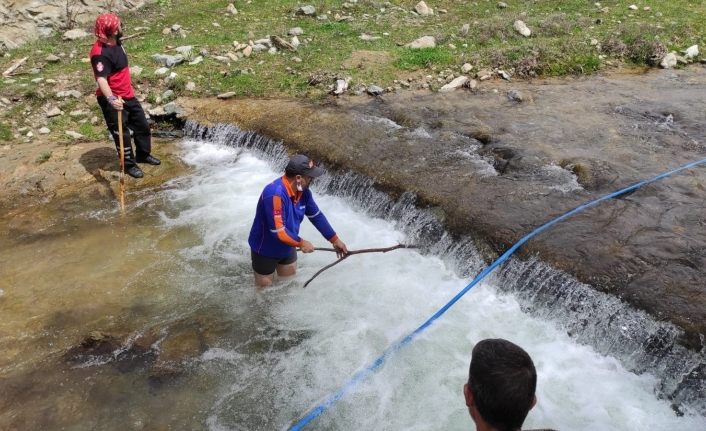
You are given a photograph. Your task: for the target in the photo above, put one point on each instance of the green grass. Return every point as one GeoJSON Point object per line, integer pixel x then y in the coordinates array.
{"type": "Point", "coordinates": [5, 132]}
{"type": "Point", "coordinates": [45, 156]}
{"type": "Point", "coordinates": [560, 44]}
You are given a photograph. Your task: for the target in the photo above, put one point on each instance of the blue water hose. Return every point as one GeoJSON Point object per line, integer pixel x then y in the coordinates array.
{"type": "Point", "coordinates": [377, 363]}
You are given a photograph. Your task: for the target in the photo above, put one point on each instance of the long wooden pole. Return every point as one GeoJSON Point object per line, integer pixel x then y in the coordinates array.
{"type": "Point", "coordinates": [352, 252]}
{"type": "Point", "coordinates": [122, 161]}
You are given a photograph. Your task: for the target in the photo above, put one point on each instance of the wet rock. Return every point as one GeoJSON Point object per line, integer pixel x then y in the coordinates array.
{"type": "Point", "coordinates": [515, 96]}
{"type": "Point", "coordinates": [522, 28]}
{"type": "Point", "coordinates": [374, 90]}
{"type": "Point", "coordinates": [423, 10]}
{"type": "Point", "coordinates": [227, 95]}
{"type": "Point", "coordinates": [669, 61]}
{"type": "Point", "coordinates": [422, 42]}
{"type": "Point", "coordinates": [168, 60]}
{"type": "Point", "coordinates": [175, 351]}
{"type": "Point", "coordinates": [504, 75]}
{"type": "Point", "coordinates": [307, 10]}
{"type": "Point", "coordinates": [456, 83]}
{"type": "Point", "coordinates": [76, 33]}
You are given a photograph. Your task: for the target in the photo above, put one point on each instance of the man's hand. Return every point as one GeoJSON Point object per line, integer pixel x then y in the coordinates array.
{"type": "Point", "coordinates": [307, 247]}
{"type": "Point", "coordinates": [341, 249]}
{"type": "Point", "coordinates": [116, 103]}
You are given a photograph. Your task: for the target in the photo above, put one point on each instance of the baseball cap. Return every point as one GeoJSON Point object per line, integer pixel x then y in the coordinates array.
{"type": "Point", "coordinates": [300, 164]}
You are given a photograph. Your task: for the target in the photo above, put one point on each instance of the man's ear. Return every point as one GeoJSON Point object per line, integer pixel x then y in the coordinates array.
{"type": "Point", "coordinates": [468, 395]}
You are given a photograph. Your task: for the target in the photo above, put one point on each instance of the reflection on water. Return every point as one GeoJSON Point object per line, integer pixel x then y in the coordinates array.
{"type": "Point", "coordinates": [151, 322]}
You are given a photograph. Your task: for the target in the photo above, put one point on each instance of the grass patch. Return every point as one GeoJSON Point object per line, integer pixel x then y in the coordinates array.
{"type": "Point", "coordinates": [91, 132]}
{"type": "Point", "coordinates": [415, 59]}
{"type": "Point", "coordinates": [5, 132]}
{"type": "Point", "coordinates": [45, 156]}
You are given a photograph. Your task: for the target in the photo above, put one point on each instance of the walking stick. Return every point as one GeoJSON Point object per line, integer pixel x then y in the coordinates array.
{"type": "Point", "coordinates": [122, 161]}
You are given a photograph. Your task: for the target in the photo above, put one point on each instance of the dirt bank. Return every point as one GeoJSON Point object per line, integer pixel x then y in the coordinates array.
{"type": "Point", "coordinates": [498, 167]}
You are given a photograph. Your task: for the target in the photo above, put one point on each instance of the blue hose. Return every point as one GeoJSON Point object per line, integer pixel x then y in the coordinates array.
{"type": "Point", "coordinates": [377, 363]}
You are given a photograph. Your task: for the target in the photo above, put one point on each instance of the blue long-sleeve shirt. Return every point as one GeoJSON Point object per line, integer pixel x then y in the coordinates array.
{"type": "Point", "coordinates": [280, 211]}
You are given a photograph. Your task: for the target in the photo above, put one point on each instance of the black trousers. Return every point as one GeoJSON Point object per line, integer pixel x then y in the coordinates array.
{"type": "Point", "coordinates": [133, 119]}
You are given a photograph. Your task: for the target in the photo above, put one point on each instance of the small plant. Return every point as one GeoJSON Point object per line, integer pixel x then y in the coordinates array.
{"type": "Point", "coordinates": [71, 12]}
{"type": "Point", "coordinates": [45, 156]}
{"type": "Point", "coordinates": [5, 132]}
{"type": "Point", "coordinates": [412, 59]}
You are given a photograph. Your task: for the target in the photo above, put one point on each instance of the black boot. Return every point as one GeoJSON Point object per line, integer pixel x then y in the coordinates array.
{"type": "Point", "coordinates": [134, 172]}
{"type": "Point", "coordinates": [149, 160]}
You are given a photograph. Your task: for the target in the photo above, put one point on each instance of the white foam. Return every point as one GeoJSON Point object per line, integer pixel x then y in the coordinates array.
{"type": "Point", "coordinates": [358, 308]}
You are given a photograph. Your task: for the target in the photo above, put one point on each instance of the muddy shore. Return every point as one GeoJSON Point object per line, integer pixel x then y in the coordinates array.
{"type": "Point", "coordinates": [497, 167]}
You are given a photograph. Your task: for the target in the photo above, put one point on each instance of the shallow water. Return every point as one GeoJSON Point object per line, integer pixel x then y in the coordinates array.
{"type": "Point", "coordinates": [177, 266]}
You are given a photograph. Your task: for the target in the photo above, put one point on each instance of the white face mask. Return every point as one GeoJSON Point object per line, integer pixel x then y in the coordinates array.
{"type": "Point", "coordinates": [299, 187]}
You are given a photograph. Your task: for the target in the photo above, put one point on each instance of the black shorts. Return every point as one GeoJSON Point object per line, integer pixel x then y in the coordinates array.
{"type": "Point", "coordinates": [264, 265]}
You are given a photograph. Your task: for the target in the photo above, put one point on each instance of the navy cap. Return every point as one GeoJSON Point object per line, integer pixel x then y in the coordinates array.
{"type": "Point", "coordinates": [300, 164]}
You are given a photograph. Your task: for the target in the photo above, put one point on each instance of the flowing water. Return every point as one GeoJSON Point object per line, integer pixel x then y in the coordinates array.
{"type": "Point", "coordinates": [176, 272]}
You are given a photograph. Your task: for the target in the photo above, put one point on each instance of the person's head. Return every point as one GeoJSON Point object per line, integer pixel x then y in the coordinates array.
{"type": "Point", "coordinates": [501, 385]}
{"type": "Point", "coordinates": [301, 171]}
{"type": "Point", "coordinates": [108, 28]}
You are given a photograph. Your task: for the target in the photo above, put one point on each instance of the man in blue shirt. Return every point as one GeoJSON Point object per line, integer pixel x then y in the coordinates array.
{"type": "Point", "coordinates": [274, 236]}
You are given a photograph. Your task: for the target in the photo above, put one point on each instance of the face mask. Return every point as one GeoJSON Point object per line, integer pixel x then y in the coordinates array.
{"type": "Point", "coordinates": [299, 187]}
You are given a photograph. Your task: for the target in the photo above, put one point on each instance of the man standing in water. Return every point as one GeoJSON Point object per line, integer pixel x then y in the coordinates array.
{"type": "Point", "coordinates": [501, 386]}
{"type": "Point", "coordinates": [115, 93]}
{"type": "Point", "coordinates": [274, 235]}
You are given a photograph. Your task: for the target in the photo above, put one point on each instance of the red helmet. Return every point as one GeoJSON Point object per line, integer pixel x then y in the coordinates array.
{"type": "Point", "coordinates": [106, 25]}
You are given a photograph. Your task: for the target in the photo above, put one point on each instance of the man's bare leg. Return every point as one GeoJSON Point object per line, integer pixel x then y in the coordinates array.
{"type": "Point", "coordinates": [287, 270]}
{"type": "Point", "coordinates": [263, 281]}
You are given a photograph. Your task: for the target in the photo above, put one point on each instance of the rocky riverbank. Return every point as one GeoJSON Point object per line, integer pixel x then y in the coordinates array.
{"type": "Point", "coordinates": [499, 162]}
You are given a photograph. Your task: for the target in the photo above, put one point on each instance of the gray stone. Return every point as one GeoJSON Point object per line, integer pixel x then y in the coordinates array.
{"type": "Point", "coordinates": [296, 31]}
{"type": "Point", "coordinates": [77, 113]}
{"type": "Point", "coordinates": [44, 131]}
{"type": "Point", "coordinates": [190, 86]}
{"type": "Point", "coordinates": [68, 93]}
{"type": "Point", "coordinates": [295, 42]}
{"type": "Point", "coordinates": [259, 47]}
{"type": "Point", "coordinates": [467, 67]}
{"type": "Point", "coordinates": [456, 83]}
{"type": "Point", "coordinates": [176, 27]}
{"type": "Point", "coordinates": [168, 60]}
{"type": "Point", "coordinates": [172, 108]}
{"type": "Point", "coordinates": [37, 80]}
{"type": "Point", "coordinates": [307, 10]}
{"type": "Point", "coordinates": [374, 90]}
{"type": "Point", "coordinates": [522, 28]}
{"type": "Point", "coordinates": [272, 50]}
{"type": "Point", "coordinates": [248, 51]}
{"type": "Point", "coordinates": [54, 112]}
{"type": "Point", "coordinates": [168, 95]}
{"type": "Point", "coordinates": [231, 9]}
{"type": "Point", "coordinates": [51, 58]}
{"type": "Point", "coordinates": [515, 96]}
{"type": "Point", "coordinates": [465, 28]}
{"type": "Point", "coordinates": [422, 42]}
{"type": "Point", "coordinates": [669, 61]}
{"type": "Point", "coordinates": [135, 70]}
{"type": "Point", "coordinates": [76, 33]}
{"type": "Point", "coordinates": [423, 10]}
{"type": "Point", "coordinates": [484, 74]}
{"type": "Point", "coordinates": [339, 87]}
{"type": "Point", "coordinates": [502, 5]}
{"type": "Point", "coordinates": [161, 71]}
{"type": "Point", "coordinates": [368, 37]}
{"type": "Point", "coordinates": [692, 51]}
{"type": "Point", "coordinates": [504, 75]}
{"type": "Point", "coordinates": [185, 51]}
{"type": "Point", "coordinates": [281, 43]}
{"type": "Point", "coordinates": [227, 95]}
{"type": "Point", "coordinates": [195, 61]}
{"type": "Point", "coordinates": [73, 135]}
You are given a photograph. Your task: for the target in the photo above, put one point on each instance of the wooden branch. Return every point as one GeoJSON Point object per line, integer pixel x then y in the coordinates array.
{"type": "Point", "coordinates": [132, 36]}
{"type": "Point", "coordinates": [352, 252]}
{"type": "Point", "coordinates": [12, 68]}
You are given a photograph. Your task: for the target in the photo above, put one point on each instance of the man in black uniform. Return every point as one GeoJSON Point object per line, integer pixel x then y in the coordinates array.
{"type": "Point", "coordinates": [115, 93]}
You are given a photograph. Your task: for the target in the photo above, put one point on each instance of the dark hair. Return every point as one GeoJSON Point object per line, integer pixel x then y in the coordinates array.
{"type": "Point", "coordinates": [503, 380]}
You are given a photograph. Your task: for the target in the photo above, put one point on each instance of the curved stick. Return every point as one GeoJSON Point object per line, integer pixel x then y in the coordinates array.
{"type": "Point", "coordinates": [352, 252]}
